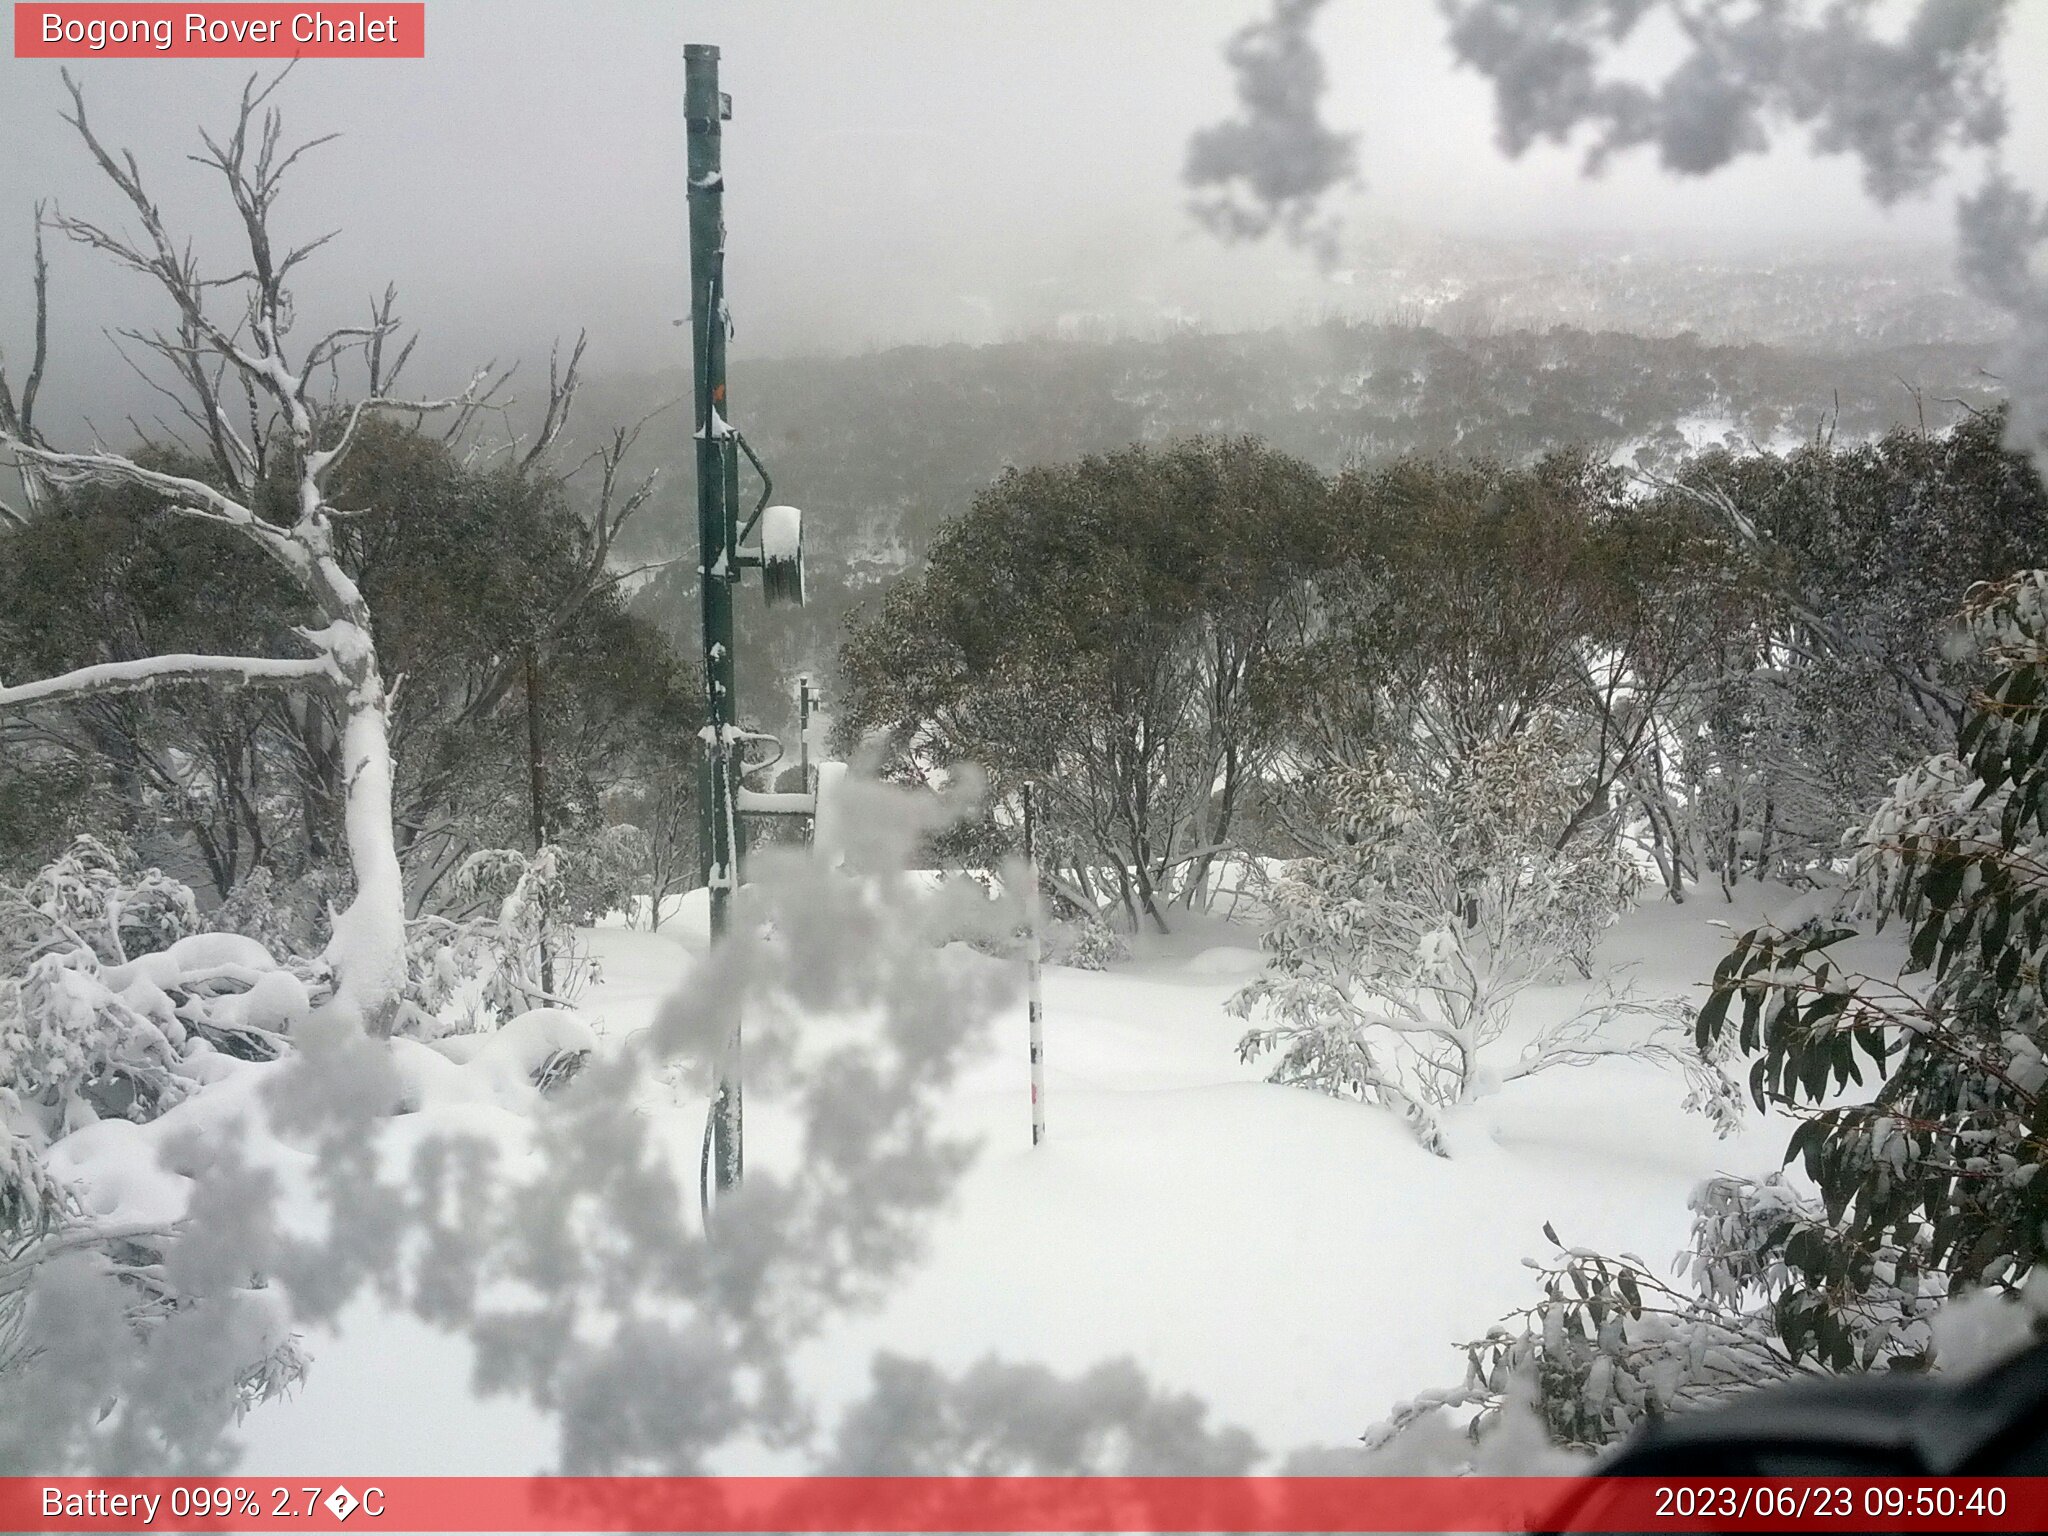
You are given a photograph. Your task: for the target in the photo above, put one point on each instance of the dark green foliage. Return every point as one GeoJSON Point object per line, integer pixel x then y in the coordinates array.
{"type": "Point", "coordinates": [1943, 1161]}
{"type": "Point", "coordinates": [103, 576]}
{"type": "Point", "coordinates": [465, 569]}
{"type": "Point", "coordinates": [884, 448]}
{"type": "Point", "coordinates": [1102, 628]}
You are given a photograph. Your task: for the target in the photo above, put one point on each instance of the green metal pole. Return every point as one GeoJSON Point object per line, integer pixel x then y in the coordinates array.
{"type": "Point", "coordinates": [705, 108]}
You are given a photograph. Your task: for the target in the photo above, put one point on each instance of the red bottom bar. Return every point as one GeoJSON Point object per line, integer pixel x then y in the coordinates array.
{"type": "Point", "coordinates": [1023, 1504]}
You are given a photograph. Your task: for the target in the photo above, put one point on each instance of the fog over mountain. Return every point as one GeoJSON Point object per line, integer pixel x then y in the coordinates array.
{"type": "Point", "coordinates": [922, 171]}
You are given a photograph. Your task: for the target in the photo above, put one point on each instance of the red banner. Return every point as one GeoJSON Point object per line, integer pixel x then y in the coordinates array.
{"type": "Point", "coordinates": [1020, 1504]}
{"type": "Point", "coordinates": [359, 31]}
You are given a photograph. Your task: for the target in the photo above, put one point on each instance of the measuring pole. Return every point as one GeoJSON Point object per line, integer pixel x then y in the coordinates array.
{"type": "Point", "coordinates": [1037, 1004]}
{"type": "Point", "coordinates": [806, 701]}
{"type": "Point", "coordinates": [705, 107]}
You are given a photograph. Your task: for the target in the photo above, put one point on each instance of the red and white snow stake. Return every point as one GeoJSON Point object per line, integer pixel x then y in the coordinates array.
{"type": "Point", "coordinates": [1033, 952]}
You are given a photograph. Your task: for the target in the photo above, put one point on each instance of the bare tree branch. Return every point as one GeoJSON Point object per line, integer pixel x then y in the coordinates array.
{"type": "Point", "coordinates": [19, 421]}
{"type": "Point", "coordinates": [182, 495]}
{"type": "Point", "coordinates": [561, 397]}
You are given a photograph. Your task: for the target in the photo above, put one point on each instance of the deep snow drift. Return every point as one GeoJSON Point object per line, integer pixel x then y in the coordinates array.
{"type": "Point", "coordinates": [1298, 1262]}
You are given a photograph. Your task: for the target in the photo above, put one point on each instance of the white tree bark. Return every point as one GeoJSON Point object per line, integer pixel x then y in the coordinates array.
{"type": "Point", "coordinates": [367, 949]}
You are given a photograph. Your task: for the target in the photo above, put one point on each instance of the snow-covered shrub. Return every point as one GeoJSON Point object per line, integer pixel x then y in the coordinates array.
{"type": "Point", "coordinates": [258, 909]}
{"type": "Point", "coordinates": [91, 896]}
{"type": "Point", "coordinates": [138, 937]}
{"type": "Point", "coordinates": [73, 1050]}
{"type": "Point", "coordinates": [603, 870]}
{"type": "Point", "coordinates": [108, 988]}
{"type": "Point", "coordinates": [32, 1201]}
{"type": "Point", "coordinates": [1086, 943]}
{"type": "Point", "coordinates": [33, 1206]}
{"type": "Point", "coordinates": [115, 1010]}
{"type": "Point", "coordinates": [1611, 1344]}
{"type": "Point", "coordinates": [1397, 955]}
{"type": "Point", "coordinates": [1082, 941]}
{"type": "Point", "coordinates": [65, 901]}
{"type": "Point", "coordinates": [74, 1273]}
{"type": "Point", "coordinates": [474, 973]}
{"type": "Point", "coordinates": [155, 912]}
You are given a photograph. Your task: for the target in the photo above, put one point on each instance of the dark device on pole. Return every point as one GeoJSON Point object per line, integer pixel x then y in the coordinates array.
{"type": "Point", "coordinates": [724, 557]}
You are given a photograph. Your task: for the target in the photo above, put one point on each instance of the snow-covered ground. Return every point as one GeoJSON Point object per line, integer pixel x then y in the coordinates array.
{"type": "Point", "coordinates": [1298, 1262]}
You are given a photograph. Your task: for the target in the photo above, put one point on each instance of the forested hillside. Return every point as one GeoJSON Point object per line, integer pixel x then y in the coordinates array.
{"type": "Point", "coordinates": [882, 448]}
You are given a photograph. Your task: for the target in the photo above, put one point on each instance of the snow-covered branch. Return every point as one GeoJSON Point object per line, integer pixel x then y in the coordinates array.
{"type": "Point", "coordinates": [182, 494]}
{"type": "Point", "coordinates": [160, 671]}
{"type": "Point", "coordinates": [1399, 954]}
{"type": "Point", "coordinates": [318, 464]}
{"type": "Point", "coordinates": [562, 387]}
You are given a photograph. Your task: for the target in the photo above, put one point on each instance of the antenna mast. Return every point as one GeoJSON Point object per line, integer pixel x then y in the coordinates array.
{"type": "Point", "coordinates": [722, 797]}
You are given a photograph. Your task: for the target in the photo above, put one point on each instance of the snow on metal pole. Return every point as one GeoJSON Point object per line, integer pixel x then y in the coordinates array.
{"type": "Point", "coordinates": [803, 731]}
{"type": "Point", "coordinates": [704, 108]}
{"type": "Point", "coordinates": [1033, 953]}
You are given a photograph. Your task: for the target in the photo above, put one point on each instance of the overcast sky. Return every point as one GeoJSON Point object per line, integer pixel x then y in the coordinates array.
{"type": "Point", "coordinates": [896, 169]}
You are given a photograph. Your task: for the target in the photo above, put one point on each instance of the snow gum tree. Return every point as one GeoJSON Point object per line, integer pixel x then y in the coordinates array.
{"type": "Point", "coordinates": [1103, 628]}
{"type": "Point", "coordinates": [274, 438]}
{"type": "Point", "coordinates": [1840, 676]}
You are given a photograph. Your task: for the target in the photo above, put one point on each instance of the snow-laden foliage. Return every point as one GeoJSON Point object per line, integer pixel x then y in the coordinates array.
{"type": "Point", "coordinates": [112, 995]}
{"type": "Point", "coordinates": [110, 981]}
{"type": "Point", "coordinates": [74, 1051]}
{"type": "Point", "coordinates": [116, 1009]}
{"type": "Point", "coordinates": [514, 945]}
{"type": "Point", "coordinates": [474, 973]}
{"type": "Point", "coordinates": [1398, 957]}
{"type": "Point", "coordinates": [601, 871]}
{"type": "Point", "coordinates": [1841, 675]}
{"type": "Point", "coordinates": [1944, 1158]}
{"type": "Point", "coordinates": [1084, 942]}
{"type": "Point", "coordinates": [277, 919]}
{"type": "Point", "coordinates": [1926, 1189]}
{"type": "Point", "coordinates": [1066, 937]}
{"type": "Point", "coordinates": [87, 897]}
{"type": "Point", "coordinates": [1101, 629]}
{"type": "Point", "coordinates": [1611, 1345]}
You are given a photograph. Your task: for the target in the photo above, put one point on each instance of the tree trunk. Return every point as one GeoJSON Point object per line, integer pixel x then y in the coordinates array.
{"type": "Point", "coordinates": [367, 948]}
{"type": "Point", "coordinates": [537, 794]}
{"type": "Point", "coordinates": [1148, 898]}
